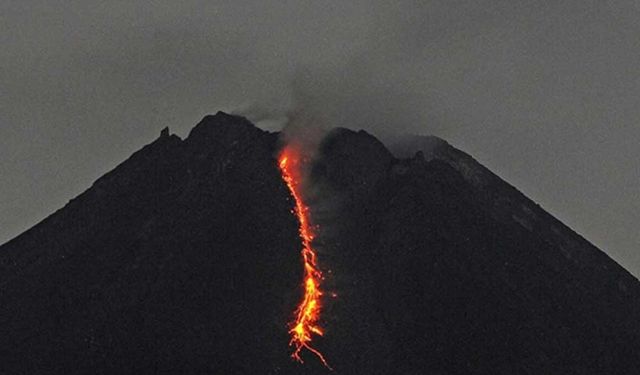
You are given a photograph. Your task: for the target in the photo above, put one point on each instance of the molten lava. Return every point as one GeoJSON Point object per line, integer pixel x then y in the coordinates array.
{"type": "Point", "coordinates": [306, 323]}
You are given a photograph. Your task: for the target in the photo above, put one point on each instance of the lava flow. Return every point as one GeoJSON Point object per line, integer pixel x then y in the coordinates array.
{"type": "Point", "coordinates": [307, 314]}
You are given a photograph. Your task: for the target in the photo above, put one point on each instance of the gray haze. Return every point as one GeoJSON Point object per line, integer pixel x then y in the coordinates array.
{"type": "Point", "coordinates": [546, 93]}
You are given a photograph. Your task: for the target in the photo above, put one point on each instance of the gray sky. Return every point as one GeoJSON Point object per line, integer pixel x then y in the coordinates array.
{"type": "Point", "coordinates": [546, 93]}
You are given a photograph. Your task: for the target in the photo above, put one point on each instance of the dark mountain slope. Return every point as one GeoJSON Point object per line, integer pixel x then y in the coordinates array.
{"type": "Point", "coordinates": [185, 259]}
{"type": "Point", "coordinates": [461, 290]}
{"type": "Point", "coordinates": [506, 204]}
{"type": "Point", "coordinates": [182, 258]}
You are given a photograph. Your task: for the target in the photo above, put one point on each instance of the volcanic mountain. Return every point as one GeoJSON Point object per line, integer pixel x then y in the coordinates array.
{"type": "Point", "coordinates": [185, 259]}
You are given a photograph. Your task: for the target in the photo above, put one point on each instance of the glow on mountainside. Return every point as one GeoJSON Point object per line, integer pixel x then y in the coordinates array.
{"type": "Point", "coordinates": [307, 314]}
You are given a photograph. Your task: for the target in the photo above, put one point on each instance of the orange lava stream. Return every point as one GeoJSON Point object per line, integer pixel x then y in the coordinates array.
{"type": "Point", "coordinates": [308, 312]}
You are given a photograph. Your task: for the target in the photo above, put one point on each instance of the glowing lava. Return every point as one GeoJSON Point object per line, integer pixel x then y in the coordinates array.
{"type": "Point", "coordinates": [307, 314]}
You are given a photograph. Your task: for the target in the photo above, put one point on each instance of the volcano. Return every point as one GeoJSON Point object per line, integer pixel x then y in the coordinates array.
{"type": "Point", "coordinates": [185, 259]}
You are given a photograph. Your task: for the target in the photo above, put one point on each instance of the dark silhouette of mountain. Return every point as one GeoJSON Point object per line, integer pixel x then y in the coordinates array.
{"type": "Point", "coordinates": [185, 260]}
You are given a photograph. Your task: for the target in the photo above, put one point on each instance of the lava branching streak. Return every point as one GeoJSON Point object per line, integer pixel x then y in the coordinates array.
{"type": "Point", "coordinates": [306, 324]}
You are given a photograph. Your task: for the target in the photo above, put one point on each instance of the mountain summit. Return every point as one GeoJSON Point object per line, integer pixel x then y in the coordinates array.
{"type": "Point", "coordinates": [186, 259]}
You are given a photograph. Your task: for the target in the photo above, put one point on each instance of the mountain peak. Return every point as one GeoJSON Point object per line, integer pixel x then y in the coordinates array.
{"type": "Point", "coordinates": [219, 132]}
{"type": "Point", "coordinates": [353, 160]}
{"type": "Point", "coordinates": [221, 123]}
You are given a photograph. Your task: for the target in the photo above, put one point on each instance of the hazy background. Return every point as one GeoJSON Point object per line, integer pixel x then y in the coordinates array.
{"type": "Point", "coordinates": [544, 93]}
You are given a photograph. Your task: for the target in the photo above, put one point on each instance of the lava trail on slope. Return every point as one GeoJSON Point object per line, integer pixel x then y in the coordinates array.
{"type": "Point", "coordinates": [307, 314]}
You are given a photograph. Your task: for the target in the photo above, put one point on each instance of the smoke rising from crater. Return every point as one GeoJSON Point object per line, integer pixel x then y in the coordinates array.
{"type": "Point", "coordinates": [544, 93]}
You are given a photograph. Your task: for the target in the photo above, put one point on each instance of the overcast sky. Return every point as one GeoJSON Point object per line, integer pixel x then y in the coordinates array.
{"type": "Point", "coordinates": [544, 93]}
